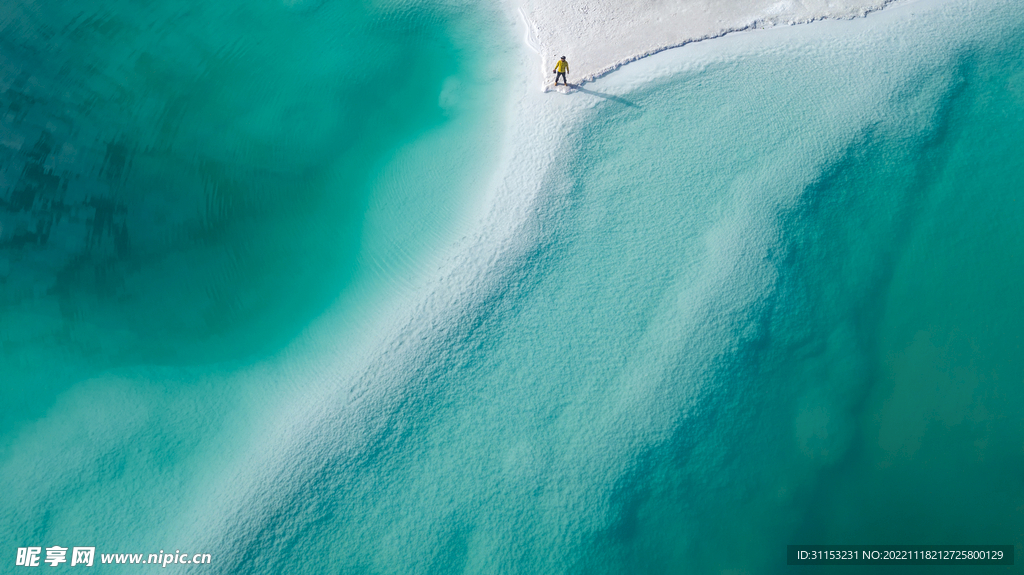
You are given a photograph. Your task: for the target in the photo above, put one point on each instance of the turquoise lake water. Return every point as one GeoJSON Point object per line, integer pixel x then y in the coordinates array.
{"type": "Point", "coordinates": [190, 185]}
{"type": "Point", "coordinates": [767, 291]}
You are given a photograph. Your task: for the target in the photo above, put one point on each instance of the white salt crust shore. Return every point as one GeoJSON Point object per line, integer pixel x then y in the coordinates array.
{"type": "Point", "coordinates": [599, 36]}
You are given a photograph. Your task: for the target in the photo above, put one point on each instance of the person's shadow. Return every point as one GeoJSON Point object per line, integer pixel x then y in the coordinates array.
{"type": "Point", "coordinates": [622, 101]}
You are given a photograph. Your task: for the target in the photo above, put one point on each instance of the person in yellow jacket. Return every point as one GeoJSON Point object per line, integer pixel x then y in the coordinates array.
{"type": "Point", "coordinates": [561, 69]}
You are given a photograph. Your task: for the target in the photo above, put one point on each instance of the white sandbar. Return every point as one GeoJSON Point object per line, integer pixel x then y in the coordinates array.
{"type": "Point", "coordinates": [598, 36]}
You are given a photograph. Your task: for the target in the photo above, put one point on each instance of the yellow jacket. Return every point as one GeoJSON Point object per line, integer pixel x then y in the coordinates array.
{"type": "Point", "coordinates": [561, 66]}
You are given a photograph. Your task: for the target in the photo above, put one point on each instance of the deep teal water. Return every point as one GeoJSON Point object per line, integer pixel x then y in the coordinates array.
{"type": "Point", "coordinates": [763, 299]}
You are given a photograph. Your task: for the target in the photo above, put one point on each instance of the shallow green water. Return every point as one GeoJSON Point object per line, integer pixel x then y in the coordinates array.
{"type": "Point", "coordinates": [192, 184]}
{"type": "Point", "coordinates": [874, 393]}
{"type": "Point", "coordinates": [937, 456]}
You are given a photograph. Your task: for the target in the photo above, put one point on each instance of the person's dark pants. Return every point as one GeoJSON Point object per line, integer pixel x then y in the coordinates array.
{"type": "Point", "coordinates": [562, 76]}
